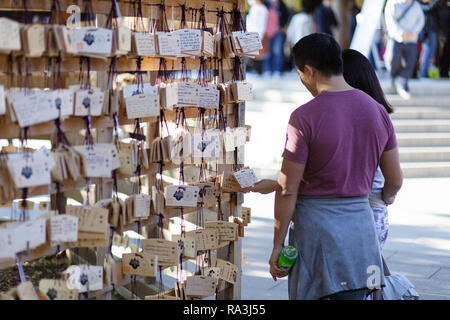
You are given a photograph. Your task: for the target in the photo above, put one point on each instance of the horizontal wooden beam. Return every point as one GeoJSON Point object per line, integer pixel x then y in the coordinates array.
{"type": "Point", "coordinates": [104, 7]}
{"type": "Point", "coordinates": [68, 185]}
{"type": "Point", "coordinates": [72, 124]}
{"type": "Point", "coordinates": [124, 64]}
{"type": "Point", "coordinates": [12, 130]}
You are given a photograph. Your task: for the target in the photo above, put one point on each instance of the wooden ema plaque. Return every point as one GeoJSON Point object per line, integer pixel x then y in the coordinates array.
{"type": "Point", "coordinates": [227, 231]}
{"type": "Point", "coordinates": [167, 251]}
{"type": "Point", "coordinates": [141, 264]}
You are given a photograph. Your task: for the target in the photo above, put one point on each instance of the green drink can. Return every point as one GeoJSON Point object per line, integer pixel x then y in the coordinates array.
{"type": "Point", "coordinates": [287, 257]}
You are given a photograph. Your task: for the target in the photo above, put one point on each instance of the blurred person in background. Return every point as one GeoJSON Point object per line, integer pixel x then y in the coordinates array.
{"type": "Point", "coordinates": [354, 10]}
{"type": "Point", "coordinates": [257, 17]}
{"type": "Point", "coordinates": [257, 22]}
{"type": "Point", "coordinates": [444, 57]}
{"type": "Point", "coordinates": [301, 24]}
{"type": "Point", "coordinates": [379, 45]}
{"type": "Point", "coordinates": [428, 35]}
{"type": "Point", "coordinates": [325, 18]}
{"type": "Point", "coordinates": [277, 19]}
{"type": "Point", "coordinates": [359, 73]}
{"type": "Point", "coordinates": [404, 22]}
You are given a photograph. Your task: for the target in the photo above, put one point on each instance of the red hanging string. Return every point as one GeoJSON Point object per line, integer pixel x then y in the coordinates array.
{"type": "Point", "coordinates": [10, 71]}
{"type": "Point", "coordinates": [89, 13]}
{"type": "Point", "coordinates": [183, 16]}
{"type": "Point", "coordinates": [163, 25]}
{"type": "Point", "coordinates": [56, 13]}
{"type": "Point", "coordinates": [202, 18]}
{"type": "Point", "coordinates": [26, 14]}
{"type": "Point", "coordinates": [238, 21]}
{"type": "Point", "coordinates": [112, 15]}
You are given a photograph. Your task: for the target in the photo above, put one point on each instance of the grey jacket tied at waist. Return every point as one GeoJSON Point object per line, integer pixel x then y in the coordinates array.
{"type": "Point", "coordinates": [338, 247]}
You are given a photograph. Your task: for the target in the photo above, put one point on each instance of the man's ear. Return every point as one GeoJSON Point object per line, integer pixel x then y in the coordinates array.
{"type": "Point", "coordinates": [309, 71]}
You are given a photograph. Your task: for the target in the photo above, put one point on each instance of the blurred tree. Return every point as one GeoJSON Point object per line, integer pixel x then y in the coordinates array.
{"type": "Point", "coordinates": [359, 3]}
{"type": "Point", "coordinates": [296, 5]}
{"type": "Point", "coordinates": [340, 8]}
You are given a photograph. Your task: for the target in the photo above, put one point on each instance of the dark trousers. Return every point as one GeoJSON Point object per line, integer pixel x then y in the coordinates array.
{"type": "Point", "coordinates": [445, 59]}
{"type": "Point", "coordinates": [429, 44]}
{"type": "Point", "coordinates": [359, 294]}
{"type": "Point", "coordinates": [274, 60]}
{"type": "Point", "coordinates": [407, 52]}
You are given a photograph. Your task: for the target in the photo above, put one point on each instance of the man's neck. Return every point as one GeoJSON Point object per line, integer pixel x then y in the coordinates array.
{"type": "Point", "coordinates": [333, 84]}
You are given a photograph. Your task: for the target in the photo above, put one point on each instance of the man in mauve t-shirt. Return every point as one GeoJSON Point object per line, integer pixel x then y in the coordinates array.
{"type": "Point", "coordinates": [334, 144]}
{"type": "Point", "coordinates": [343, 133]}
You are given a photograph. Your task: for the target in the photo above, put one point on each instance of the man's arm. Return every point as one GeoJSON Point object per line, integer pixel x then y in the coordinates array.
{"type": "Point", "coordinates": [394, 29]}
{"type": "Point", "coordinates": [390, 167]}
{"type": "Point", "coordinates": [420, 21]}
{"type": "Point", "coordinates": [263, 186]}
{"type": "Point", "coordinates": [285, 198]}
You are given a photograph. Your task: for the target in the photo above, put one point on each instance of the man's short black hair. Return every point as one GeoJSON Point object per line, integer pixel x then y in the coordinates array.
{"type": "Point", "coordinates": [321, 51]}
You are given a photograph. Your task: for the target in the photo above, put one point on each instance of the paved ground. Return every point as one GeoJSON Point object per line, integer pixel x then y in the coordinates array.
{"type": "Point", "coordinates": [418, 244]}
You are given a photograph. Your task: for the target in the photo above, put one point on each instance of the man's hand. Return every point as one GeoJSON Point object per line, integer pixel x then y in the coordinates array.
{"type": "Point", "coordinates": [407, 36]}
{"type": "Point", "coordinates": [263, 186]}
{"type": "Point", "coordinates": [273, 262]}
{"type": "Point", "coordinates": [291, 174]}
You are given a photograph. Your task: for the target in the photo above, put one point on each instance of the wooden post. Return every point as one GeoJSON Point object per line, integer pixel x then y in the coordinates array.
{"type": "Point", "coordinates": [105, 188]}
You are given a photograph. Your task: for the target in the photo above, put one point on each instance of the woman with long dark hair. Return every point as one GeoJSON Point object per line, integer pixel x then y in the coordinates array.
{"type": "Point", "coordinates": [359, 73]}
